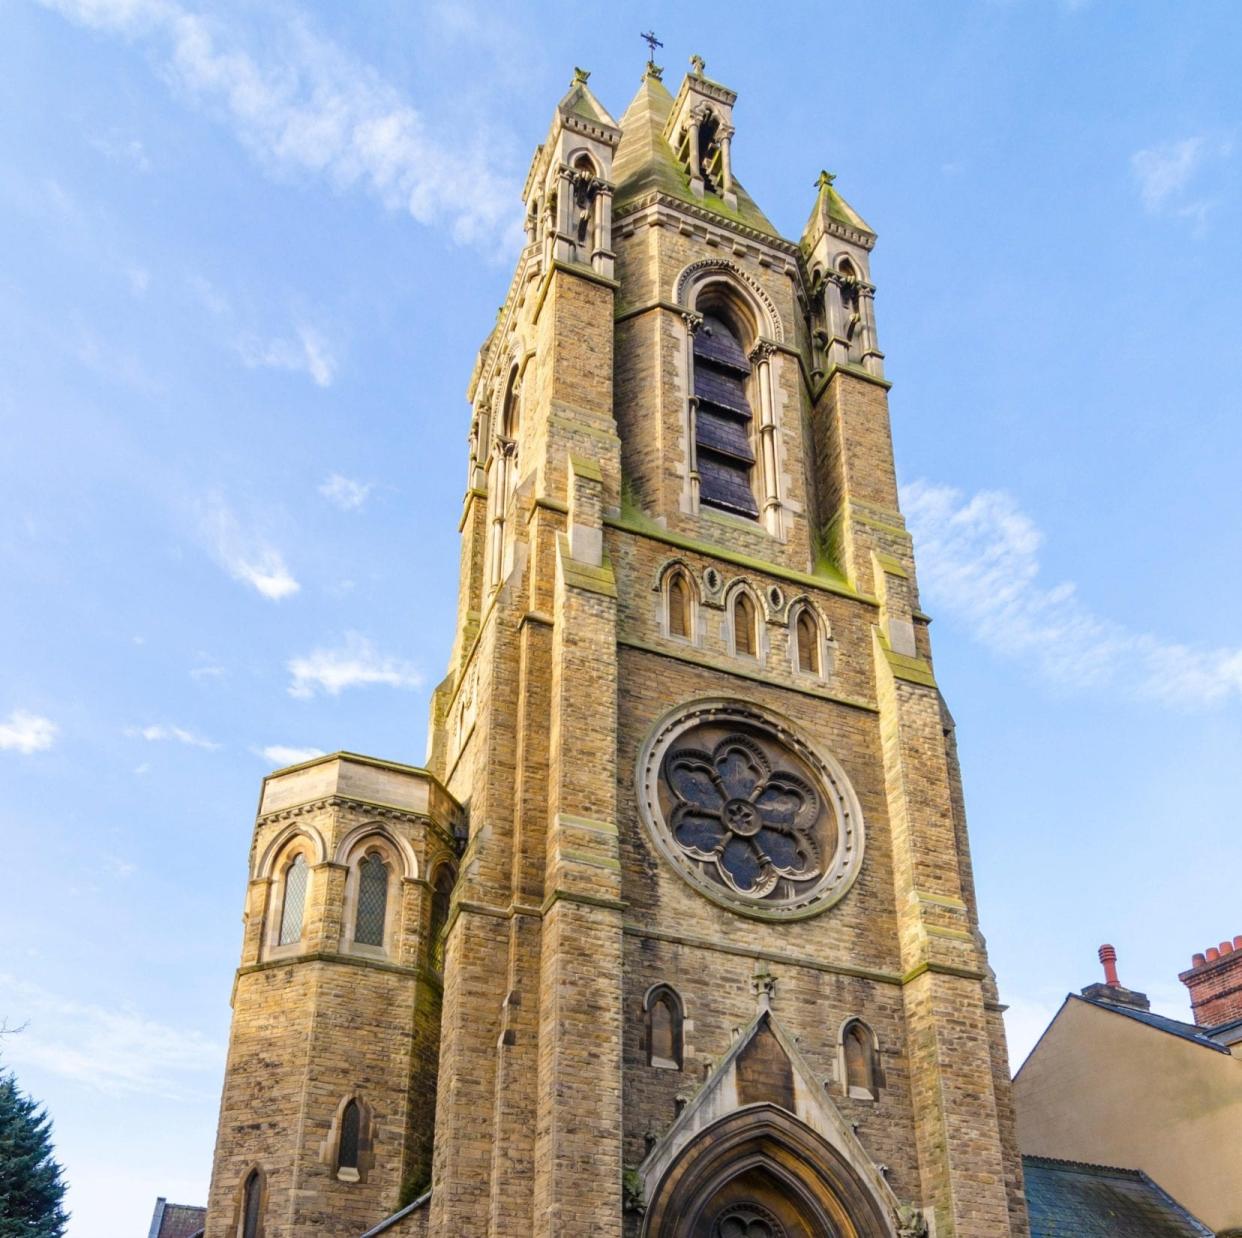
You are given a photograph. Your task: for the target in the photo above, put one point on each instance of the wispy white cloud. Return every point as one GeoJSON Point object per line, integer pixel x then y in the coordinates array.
{"type": "Point", "coordinates": [207, 670]}
{"type": "Point", "coordinates": [979, 558]}
{"type": "Point", "coordinates": [308, 106]}
{"type": "Point", "coordinates": [281, 755]}
{"type": "Point", "coordinates": [245, 555]}
{"type": "Point", "coordinates": [25, 732]}
{"type": "Point", "coordinates": [345, 493]}
{"type": "Point", "coordinates": [310, 353]}
{"type": "Point", "coordinates": [121, 149]}
{"type": "Point", "coordinates": [1166, 172]}
{"type": "Point", "coordinates": [158, 733]}
{"type": "Point", "coordinates": [354, 664]}
{"type": "Point", "coordinates": [118, 1051]}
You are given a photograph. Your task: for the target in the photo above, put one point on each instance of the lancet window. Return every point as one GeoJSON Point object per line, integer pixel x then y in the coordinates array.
{"type": "Point", "coordinates": [665, 1028]}
{"type": "Point", "coordinates": [680, 604]}
{"type": "Point", "coordinates": [745, 625]}
{"type": "Point", "coordinates": [806, 637]}
{"type": "Point", "coordinates": [293, 901]}
{"type": "Point", "coordinates": [859, 1061]}
{"type": "Point", "coordinates": [251, 1219]}
{"type": "Point", "coordinates": [723, 419]}
{"type": "Point", "coordinates": [372, 912]}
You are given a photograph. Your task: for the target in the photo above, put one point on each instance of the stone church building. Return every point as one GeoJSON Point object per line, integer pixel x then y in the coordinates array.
{"type": "Point", "coordinates": [675, 934]}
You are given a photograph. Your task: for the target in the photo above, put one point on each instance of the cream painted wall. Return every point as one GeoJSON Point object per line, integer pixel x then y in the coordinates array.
{"type": "Point", "coordinates": [1103, 1088]}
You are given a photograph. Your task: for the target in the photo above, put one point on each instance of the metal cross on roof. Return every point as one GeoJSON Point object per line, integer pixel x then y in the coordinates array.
{"type": "Point", "coordinates": [652, 42]}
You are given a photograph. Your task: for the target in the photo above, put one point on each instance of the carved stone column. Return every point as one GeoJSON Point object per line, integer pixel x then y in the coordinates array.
{"type": "Point", "coordinates": [872, 357]}
{"type": "Point", "coordinates": [690, 485]}
{"type": "Point", "coordinates": [602, 255]}
{"type": "Point", "coordinates": [504, 451]}
{"type": "Point", "coordinates": [761, 358]}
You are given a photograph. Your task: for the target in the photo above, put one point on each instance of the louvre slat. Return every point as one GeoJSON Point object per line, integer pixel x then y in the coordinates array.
{"type": "Point", "coordinates": [724, 433]}
{"type": "Point", "coordinates": [725, 483]}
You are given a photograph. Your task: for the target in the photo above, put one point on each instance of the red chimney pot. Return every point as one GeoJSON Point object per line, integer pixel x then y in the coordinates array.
{"type": "Point", "coordinates": [1226, 947]}
{"type": "Point", "coordinates": [1212, 954]}
{"type": "Point", "coordinates": [1198, 961]}
{"type": "Point", "coordinates": [1237, 942]}
{"type": "Point", "coordinates": [1108, 956]}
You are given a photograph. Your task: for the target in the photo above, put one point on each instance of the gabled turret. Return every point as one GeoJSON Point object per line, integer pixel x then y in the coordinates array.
{"type": "Point", "coordinates": [568, 189]}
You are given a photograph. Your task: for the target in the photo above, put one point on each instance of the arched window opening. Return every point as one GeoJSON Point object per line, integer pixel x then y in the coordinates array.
{"type": "Point", "coordinates": [745, 635]}
{"type": "Point", "coordinates": [665, 1022]}
{"type": "Point", "coordinates": [294, 903]}
{"type": "Point", "coordinates": [372, 914]}
{"type": "Point", "coordinates": [584, 203]}
{"type": "Point", "coordinates": [722, 432]}
{"type": "Point", "coordinates": [807, 632]}
{"type": "Point", "coordinates": [351, 1129]}
{"type": "Point", "coordinates": [851, 310]}
{"type": "Point", "coordinates": [513, 408]}
{"type": "Point", "coordinates": [252, 1206]}
{"type": "Point", "coordinates": [862, 1075]}
{"type": "Point", "coordinates": [441, 895]}
{"type": "Point", "coordinates": [678, 606]}
{"type": "Point", "coordinates": [708, 155]}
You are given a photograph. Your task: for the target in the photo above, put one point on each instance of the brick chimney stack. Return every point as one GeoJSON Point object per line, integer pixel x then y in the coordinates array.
{"type": "Point", "coordinates": [1112, 990]}
{"type": "Point", "coordinates": [1215, 984]}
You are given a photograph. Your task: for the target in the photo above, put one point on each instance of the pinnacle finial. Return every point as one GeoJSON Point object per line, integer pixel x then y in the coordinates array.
{"type": "Point", "coordinates": [697, 65]}
{"type": "Point", "coordinates": [825, 180]}
{"type": "Point", "coordinates": [580, 76]}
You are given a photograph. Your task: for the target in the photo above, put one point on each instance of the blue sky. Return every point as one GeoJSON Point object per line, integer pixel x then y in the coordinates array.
{"type": "Point", "coordinates": [248, 253]}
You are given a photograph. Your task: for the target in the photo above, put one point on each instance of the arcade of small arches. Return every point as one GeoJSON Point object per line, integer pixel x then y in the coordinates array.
{"type": "Point", "coordinates": [749, 614]}
{"type": "Point", "coordinates": [375, 864]}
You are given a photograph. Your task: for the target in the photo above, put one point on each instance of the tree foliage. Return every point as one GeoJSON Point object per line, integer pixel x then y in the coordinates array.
{"type": "Point", "coordinates": [32, 1187]}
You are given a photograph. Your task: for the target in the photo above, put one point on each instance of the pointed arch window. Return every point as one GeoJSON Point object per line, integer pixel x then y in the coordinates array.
{"type": "Point", "coordinates": [351, 1129]}
{"type": "Point", "coordinates": [665, 1028]}
{"type": "Point", "coordinates": [722, 423]}
{"type": "Point", "coordinates": [372, 914]}
{"type": "Point", "coordinates": [860, 1067]}
{"type": "Point", "coordinates": [252, 1206]}
{"type": "Point", "coordinates": [745, 626]}
{"type": "Point", "coordinates": [806, 632]}
{"type": "Point", "coordinates": [293, 904]}
{"type": "Point", "coordinates": [679, 613]}
{"type": "Point", "coordinates": [441, 896]}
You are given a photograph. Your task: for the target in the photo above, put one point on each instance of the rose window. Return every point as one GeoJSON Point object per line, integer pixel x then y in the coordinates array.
{"type": "Point", "coordinates": [749, 812]}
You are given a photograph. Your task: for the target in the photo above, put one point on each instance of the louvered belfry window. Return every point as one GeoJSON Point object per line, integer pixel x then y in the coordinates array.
{"type": "Point", "coordinates": [722, 426]}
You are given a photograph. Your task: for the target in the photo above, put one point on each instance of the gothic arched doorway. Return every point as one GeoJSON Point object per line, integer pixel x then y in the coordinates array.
{"type": "Point", "coordinates": [761, 1173]}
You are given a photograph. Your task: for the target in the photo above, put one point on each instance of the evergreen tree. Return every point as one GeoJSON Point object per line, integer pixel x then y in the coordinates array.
{"type": "Point", "coordinates": [32, 1190]}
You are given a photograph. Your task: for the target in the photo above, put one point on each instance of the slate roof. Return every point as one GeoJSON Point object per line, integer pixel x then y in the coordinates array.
{"type": "Point", "coordinates": [1162, 1023]}
{"type": "Point", "coordinates": [1068, 1199]}
{"type": "Point", "coordinates": [176, 1220]}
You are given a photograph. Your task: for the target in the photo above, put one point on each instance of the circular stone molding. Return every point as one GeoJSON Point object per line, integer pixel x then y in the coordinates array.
{"type": "Point", "coordinates": [748, 812]}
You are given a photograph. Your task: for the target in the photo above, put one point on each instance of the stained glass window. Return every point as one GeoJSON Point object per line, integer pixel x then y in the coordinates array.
{"type": "Point", "coordinates": [372, 901]}
{"type": "Point", "coordinates": [351, 1122]}
{"type": "Point", "coordinates": [295, 902]}
{"type": "Point", "coordinates": [252, 1202]}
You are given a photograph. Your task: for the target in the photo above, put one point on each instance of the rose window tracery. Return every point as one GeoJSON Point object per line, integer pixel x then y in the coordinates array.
{"type": "Point", "coordinates": [748, 812]}
{"type": "Point", "coordinates": [754, 823]}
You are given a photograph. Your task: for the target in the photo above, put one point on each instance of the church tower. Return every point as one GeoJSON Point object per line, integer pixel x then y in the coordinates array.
{"type": "Point", "coordinates": [683, 896]}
